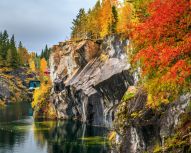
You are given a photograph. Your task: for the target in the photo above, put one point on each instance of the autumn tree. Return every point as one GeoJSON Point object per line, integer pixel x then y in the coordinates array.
{"type": "Point", "coordinates": [23, 54]}
{"type": "Point", "coordinates": [32, 65]}
{"type": "Point", "coordinates": [106, 17]}
{"type": "Point", "coordinates": [31, 61]}
{"type": "Point", "coordinates": [43, 65]}
{"type": "Point", "coordinates": [93, 21]}
{"type": "Point", "coordinates": [125, 13]}
{"type": "Point", "coordinates": [162, 47]}
{"type": "Point", "coordinates": [109, 17]}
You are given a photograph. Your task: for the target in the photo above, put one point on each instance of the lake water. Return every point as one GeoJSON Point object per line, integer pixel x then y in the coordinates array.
{"type": "Point", "coordinates": [20, 134]}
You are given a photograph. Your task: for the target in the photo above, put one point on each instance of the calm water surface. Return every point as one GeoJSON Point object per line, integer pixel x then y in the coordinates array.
{"type": "Point", "coordinates": [20, 134]}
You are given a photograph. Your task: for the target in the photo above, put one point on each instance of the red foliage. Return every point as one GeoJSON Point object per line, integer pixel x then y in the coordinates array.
{"type": "Point", "coordinates": [164, 40]}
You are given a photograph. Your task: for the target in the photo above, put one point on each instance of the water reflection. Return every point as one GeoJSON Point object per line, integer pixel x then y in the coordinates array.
{"type": "Point", "coordinates": [20, 134]}
{"type": "Point", "coordinates": [70, 137]}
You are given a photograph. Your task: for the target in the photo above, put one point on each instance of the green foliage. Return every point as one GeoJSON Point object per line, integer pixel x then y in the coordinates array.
{"type": "Point", "coordinates": [128, 96]}
{"type": "Point", "coordinates": [12, 55]}
{"type": "Point", "coordinates": [173, 144]}
{"type": "Point", "coordinates": [4, 46]}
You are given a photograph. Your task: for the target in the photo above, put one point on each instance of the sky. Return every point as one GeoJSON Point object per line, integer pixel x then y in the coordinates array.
{"type": "Point", "coordinates": [40, 22]}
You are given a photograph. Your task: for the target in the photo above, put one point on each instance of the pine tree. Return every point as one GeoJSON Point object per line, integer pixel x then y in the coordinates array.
{"type": "Point", "coordinates": [46, 56]}
{"type": "Point", "coordinates": [12, 56]}
{"type": "Point", "coordinates": [114, 20]}
{"type": "Point", "coordinates": [42, 54]}
{"type": "Point", "coordinates": [1, 52]}
{"type": "Point", "coordinates": [79, 28]}
{"type": "Point", "coordinates": [1, 60]}
{"type": "Point", "coordinates": [45, 53]}
{"type": "Point", "coordinates": [5, 44]}
{"type": "Point", "coordinates": [20, 45]}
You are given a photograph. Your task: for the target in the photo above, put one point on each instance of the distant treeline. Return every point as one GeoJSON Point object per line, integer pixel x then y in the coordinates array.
{"type": "Point", "coordinates": [14, 56]}
{"type": "Point", "coordinates": [10, 54]}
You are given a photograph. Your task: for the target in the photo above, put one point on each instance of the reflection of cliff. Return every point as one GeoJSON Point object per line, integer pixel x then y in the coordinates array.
{"type": "Point", "coordinates": [15, 112]}
{"type": "Point", "coordinates": [70, 137]}
{"type": "Point", "coordinates": [9, 138]}
{"type": "Point", "coordinates": [12, 132]}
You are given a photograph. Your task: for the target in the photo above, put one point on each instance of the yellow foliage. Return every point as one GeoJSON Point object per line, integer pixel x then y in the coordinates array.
{"type": "Point", "coordinates": [136, 114]}
{"type": "Point", "coordinates": [112, 135]}
{"type": "Point", "coordinates": [125, 14]}
{"type": "Point", "coordinates": [160, 92]}
{"type": "Point", "coordinates": [106, 17]}
{"type": "Point", "coordinates": [103, 57]}
{"type": "Point", "coordinates": [24, 56]}
{"type": "Point", "coordinates": [32, 65]}
{"type": "Point", "coordinates": [40, 95]}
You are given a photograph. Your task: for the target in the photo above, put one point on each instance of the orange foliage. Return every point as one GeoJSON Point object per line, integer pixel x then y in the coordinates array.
{"type": "Point", "coordinates": [43, 65]}
{"type": "Point", "coordinates": [163, 42]}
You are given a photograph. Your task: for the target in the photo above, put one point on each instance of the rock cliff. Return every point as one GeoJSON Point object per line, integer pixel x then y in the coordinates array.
{"type": "Point", "coordinates": [14, 84]}
{"type": "Point", "coordinates": [141, 129]}
{"type": "Point", "coordinates": [89, 79]}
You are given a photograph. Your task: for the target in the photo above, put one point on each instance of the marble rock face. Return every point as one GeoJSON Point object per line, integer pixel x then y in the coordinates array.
{"type": "Point", "coordinates": [89, 79]}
